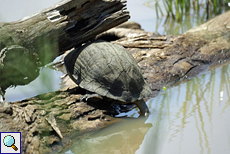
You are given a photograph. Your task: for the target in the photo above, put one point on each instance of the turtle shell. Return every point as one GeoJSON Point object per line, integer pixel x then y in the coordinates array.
{"type": "Point", "coordinates": [108, 70]}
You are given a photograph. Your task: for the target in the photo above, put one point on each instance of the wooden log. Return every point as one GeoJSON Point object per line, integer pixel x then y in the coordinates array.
{"type": "Point", "coordinates": [37, 39]}
{"type": "Point", "coordinates": [43, 36]}
{"type": "Point", "coordinates": [50, 120]}
{"type": "Point", "coordinates": [63, 26]}
{"type": "Point", "coordinates": [166, 60]}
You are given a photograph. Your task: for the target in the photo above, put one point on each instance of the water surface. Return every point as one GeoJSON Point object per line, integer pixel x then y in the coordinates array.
{"type": "Point", "coordinates": [12, 10]}
{"type": "Point", "coordinates": [48, 80]}
{"type": "Point", "coordinates": [189, 118]}
{"type": "Point", "coordinates": [192, 117]}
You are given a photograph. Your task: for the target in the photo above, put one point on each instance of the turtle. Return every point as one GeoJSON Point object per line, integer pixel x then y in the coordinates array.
{"type": "Point", "coordinates": [108, 70]}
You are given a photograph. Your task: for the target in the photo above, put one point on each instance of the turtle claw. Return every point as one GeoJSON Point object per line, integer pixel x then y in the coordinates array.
{"type": "Point", "coordinates": [2, 98]}
{"type": "Point", "coordinates": [144, 110]}
{"type": "Point", "coordinates": [86, 97]}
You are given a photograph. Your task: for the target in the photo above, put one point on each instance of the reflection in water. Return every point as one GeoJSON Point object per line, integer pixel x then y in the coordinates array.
{"type": "Point", "coordinates": [48, 80]}
{"type": "Point", "coordinates": [189, 118]}
{"type": "Point", "coordinates": [122, 138]}
{"type": "Point", "coordinates": [18, 66]}
{"type": "Point", "coordinates": [192, 117]}
{"type": "Point", "coordinates": [153, 15]}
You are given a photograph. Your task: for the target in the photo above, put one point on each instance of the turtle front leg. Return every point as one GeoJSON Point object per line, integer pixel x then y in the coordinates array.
{"type": "Point", "coordinates": [144, 110]}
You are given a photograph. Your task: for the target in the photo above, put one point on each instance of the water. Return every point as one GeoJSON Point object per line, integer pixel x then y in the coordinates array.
{"type": "Point", "coordinates": [124, 137]}
{"type": "Point", "coordinates": [189, 118]}
{"type": "Point", "coordinates": [11, 10]}
{"type": "Point", "coordinates": [48, 80]}
{"type": "Point", "coordinates": [194, 115]}
{"type": "Point", "coordinates": [152, 16]}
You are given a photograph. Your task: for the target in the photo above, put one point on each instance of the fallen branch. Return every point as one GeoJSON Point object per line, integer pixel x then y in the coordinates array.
{"type": "Point", "coordinates": [181, 57]}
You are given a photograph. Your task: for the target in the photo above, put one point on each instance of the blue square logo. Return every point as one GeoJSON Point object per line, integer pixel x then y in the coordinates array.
{"type": "Point", "coordinates": [10, 142]}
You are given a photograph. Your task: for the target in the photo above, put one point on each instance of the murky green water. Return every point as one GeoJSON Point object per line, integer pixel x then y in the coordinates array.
{"type": "Point", "coordinates": [189, 118]}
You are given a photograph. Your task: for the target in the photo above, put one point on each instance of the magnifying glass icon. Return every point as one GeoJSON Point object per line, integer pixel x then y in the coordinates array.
{"type": "Point", "coordinates": [9, 141]}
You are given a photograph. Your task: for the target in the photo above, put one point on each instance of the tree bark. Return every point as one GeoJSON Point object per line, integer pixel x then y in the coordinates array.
{"type": "Point", "coordinates": [36, 40]}
{"type": "Point", "coordinates": [63, 26]}
{"type": "Point", "coordinates": [50, 121]}
{"type": "Point", "coordinates": [165, 60]}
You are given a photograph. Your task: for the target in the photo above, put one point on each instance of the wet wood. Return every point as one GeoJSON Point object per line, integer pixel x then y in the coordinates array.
{"type": "Point", "coordinates": [48, 122]}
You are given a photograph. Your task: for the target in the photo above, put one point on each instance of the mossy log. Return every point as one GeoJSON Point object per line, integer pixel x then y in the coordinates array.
{"type": "Point", "coordinates": [48, 122]}
{"type": "Point", "coordinates": [43, 36]}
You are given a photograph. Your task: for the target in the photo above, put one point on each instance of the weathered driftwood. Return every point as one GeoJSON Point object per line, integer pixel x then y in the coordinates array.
{"type": "Point", "coordinates": [63, 26]}
{"type": "Point", "coordinates": [36, 40]}
{"type": "Point", "coordinates": [49, 121]}
{"type": "Point", "coordinates": [43, 36]}
{"type": "Point", "coordinates": [168, 59]}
